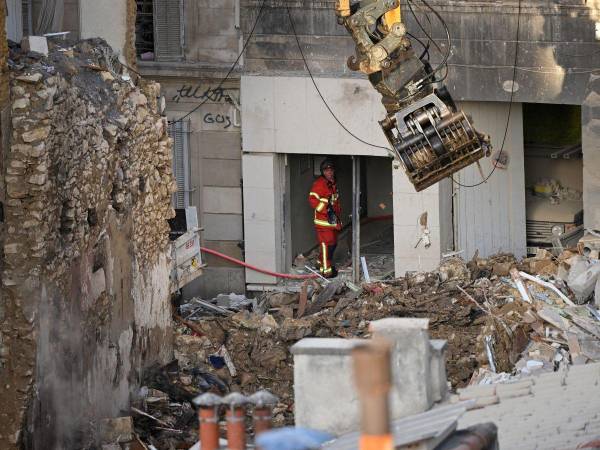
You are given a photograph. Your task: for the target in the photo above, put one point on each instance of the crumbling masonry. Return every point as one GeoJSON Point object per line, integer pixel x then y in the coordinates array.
{"type": "Point", "coordinates": [85, 263]}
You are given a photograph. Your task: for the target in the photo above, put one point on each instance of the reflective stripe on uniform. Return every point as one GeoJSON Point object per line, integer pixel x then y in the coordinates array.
{"type": "Point", "coordinates": [321, 206]}
{"type": "Point", "coordinates": [324, 223]}
{"type": "Point", "coordinates": [314, 194]}
{"type": "Point", "coordinates": [324, 256]}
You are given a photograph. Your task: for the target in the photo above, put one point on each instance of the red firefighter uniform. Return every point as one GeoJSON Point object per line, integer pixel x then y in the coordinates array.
{"type": "Point", "coordinates": [324, 200]}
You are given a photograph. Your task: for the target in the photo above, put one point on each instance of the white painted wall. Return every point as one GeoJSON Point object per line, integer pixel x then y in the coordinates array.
{"type": "Point", "coordinates": [106, 19]}
{"type": "Point", "coordinates": [263, 215]}
{"type": "Point", "coordinates": [286, 115]}
{"type": "Point", "coordinates": [491, 217]}
{"type": "Point", "coordinates": [408, 207]}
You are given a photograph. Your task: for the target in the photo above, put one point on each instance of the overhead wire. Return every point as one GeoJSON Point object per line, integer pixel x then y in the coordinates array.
{"type": "Point", "coordinates": [231, 69]}
{"type": "Point", "coordinates": [510, 104]}
{"type": "Point", "coordinates": [319, 91]}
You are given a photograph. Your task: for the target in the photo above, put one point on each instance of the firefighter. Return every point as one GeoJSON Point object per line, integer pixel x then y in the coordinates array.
{"type": "Point", "coordinates": [324, 200]}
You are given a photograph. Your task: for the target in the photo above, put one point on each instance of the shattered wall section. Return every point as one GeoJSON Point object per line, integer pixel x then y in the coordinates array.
{"type": "Point", "coordinates": [86, 267]}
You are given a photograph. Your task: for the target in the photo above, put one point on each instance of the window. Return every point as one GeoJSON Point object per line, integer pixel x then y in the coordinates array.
{"type": "Point", "coordinates": [159, 30]}
{"type": "Point", "coordinates": [179, 131]}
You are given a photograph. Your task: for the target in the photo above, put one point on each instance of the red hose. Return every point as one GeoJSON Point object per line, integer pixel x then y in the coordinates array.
{"type": "Point", "coordinates": [257, 269]}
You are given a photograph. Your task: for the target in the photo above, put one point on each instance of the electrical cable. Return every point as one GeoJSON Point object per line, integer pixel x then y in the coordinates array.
{"type": "Point", "coordinates": [446, 29]}
{"type": "Point", "coordinates": [197, 107]}
{"type": "Point", "coordinates": [512, 93]}
{"type": "Point", "coordinates": [319, 91]}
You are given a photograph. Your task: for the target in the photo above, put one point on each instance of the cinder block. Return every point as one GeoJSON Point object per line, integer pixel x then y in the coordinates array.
{"type": "Point", "coordinates": [412, 392]}
{"type": "Point", "coordinates": [325, 397]}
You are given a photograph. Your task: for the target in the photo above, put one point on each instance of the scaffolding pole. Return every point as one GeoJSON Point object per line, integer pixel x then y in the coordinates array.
{"type": "Point", "coordinates": [356, 219]}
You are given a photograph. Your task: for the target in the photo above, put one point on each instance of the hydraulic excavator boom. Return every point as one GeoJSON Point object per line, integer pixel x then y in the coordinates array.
{"type": "Point", "coordinates": [428, 135]}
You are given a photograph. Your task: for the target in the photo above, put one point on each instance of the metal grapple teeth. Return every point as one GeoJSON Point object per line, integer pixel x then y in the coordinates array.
{"type": "Point", "coordinates": [433, 140]}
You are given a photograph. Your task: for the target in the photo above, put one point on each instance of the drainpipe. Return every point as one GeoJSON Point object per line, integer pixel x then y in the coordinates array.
{"type": "Point", "coordinates": [236, 426]}
{"type": "Point", "coordinates": [208, 416]}
{"type": "Point", "coordinates": [263, 403]}
{"type": "Point", "coordinates": [373, 380]}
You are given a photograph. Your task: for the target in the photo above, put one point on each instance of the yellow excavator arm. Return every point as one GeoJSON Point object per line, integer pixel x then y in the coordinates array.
{"type": "Point", "coordinates": [427, 133]}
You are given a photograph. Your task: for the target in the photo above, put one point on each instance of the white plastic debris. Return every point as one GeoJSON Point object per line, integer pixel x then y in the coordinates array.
{"type": "Point", "coordinates": [583, 279]}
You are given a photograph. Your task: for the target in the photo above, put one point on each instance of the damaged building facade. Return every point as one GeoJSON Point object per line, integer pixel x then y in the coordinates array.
{"type": "Point", "coordinates": [250, 146]}
{"type": "Point", "coordinates": [86, 187]}
{"type": "Point", "coordinates": [284, 120]}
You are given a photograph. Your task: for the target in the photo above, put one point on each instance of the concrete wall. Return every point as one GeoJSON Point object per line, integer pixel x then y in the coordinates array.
{"type": "Point", "coordinates": [109, 23]}
{"type": "Point", "coordinates": [591, 154]}
{"type": "Point", "coordinates": [263, 214]}
{"type": "Point", "coordinates": [286, 115]}
{"type": "Point", "coordinates": [483, 36]}
{"type": "Point", "coordinates": [215, 176]}
{"type": "Point", "coordinates": [211, 34]}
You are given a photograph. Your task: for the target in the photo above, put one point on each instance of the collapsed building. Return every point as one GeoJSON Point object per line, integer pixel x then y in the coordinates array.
{"type": "Point", "coordinates": [87, 184]}
{"type": "Point", "coordinates": [86, 189]}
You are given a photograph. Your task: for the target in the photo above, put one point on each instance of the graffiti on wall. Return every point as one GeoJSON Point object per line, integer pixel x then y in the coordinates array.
{"type": "Point", "coordinates": [199, 92]}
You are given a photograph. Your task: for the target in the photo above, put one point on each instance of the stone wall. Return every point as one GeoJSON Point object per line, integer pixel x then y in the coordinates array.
{"type": "Point", "coordinates": [3, 56]}
{"type": "Point", "coordinates": [85, 268]}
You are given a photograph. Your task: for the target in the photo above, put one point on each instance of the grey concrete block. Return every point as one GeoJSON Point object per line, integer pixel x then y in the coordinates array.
{"type": "Point", "coordinates": [223, 200]}
{"type": "Point", "coordinates": [38, 44]}
{"type": "Point", "coordinates": [324, 394]}
{"type": "Point", "coordinates": [412, 392]}
{"type": "Point", "coordinates": [222, 172]}
{"type": "Point", "coordinates": [221, 144]}
{"type": "Point", "coordinates": [222, 227]}
{"type": "Point", "coordinates": [215, 281]}
{"type": "Point", "coordinates": [439, 380]}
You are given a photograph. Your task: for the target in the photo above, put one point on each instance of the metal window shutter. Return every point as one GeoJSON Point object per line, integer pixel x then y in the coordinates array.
{"type": "Point", "coordinates": [179, 133]}
{"type": "Point", "coordinates": [27, 17]}
{"type": "Point", "coordinates": [168, 33]}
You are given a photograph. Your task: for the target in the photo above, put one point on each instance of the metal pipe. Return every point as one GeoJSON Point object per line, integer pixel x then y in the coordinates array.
{"type": "Point", "coordinates": [356, 219]}
{"type": "Point", "coordinates": [236, 426]}
{"type": "Point", "coordinates": [372, 374]}
{"type": "Point", "coordinates": [263, 404]}
{"type": "Point", "coordinates": [209, 420]}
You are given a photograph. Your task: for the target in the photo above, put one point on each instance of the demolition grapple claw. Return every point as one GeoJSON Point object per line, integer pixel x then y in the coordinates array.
{"type": "Point", "coordinates": [427, 133]}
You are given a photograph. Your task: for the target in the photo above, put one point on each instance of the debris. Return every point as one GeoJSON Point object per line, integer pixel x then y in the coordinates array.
{"type": "Point", "coordinates": [35, 44]}
{"type": "Point", "coordinates": [549, 286]}
{"type": "Point", "coordinates": [521, 324]}
{"type": "Point", "coordinates": [516, 276]}
{"type": "Point", "coordinates": [117, 430]}
{"type": "Point", "coordinates": [365, 269]}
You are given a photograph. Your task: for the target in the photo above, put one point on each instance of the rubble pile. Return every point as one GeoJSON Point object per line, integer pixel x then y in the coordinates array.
{"type": "Point", "coordinates": [477, 306]}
